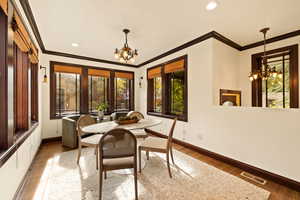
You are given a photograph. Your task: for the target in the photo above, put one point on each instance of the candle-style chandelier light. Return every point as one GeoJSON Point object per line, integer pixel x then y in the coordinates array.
{"type": "Point", "coordinates": [265, 72]}
{"type": "Point", "coordinates": [126, 54]}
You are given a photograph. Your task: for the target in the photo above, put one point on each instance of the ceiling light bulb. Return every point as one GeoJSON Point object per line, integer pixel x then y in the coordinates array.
{"type": "Point", "coordinates": [255, 76]}
{"type": "Point", "coordinates": [211, 5]}
{"type": "Point", "coordinates": [75, 45]}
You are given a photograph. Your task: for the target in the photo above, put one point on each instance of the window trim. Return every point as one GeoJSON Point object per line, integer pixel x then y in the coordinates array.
{"type": "Point", "coordinates": [294, 76]}
{"type": "Point", "coordinates": [84, 89]}
{"type": "Point", "coordinates": [166, 92]}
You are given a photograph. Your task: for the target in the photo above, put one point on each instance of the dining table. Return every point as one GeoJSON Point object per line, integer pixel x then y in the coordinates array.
{"type": "Point", "coordinates": [103, 127]}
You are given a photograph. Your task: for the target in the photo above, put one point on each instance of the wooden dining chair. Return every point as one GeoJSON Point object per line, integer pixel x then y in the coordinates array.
{"type": "Point", "coordinates": [139, 133]}
{"type": "Point", "coordinates": [135, 114]}
{"type": "Point", "coordinates": [160, 145]}
{"type": "Point", "coordinates": [89, 141]}
{"type": "Point", "coordinates": [117, 150]}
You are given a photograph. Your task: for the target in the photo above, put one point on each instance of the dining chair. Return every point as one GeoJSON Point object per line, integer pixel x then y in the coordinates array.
{"type": "Point", "coordinates": [160, 145]}
{"type": "Point", "coordinates": [139, 133]}
{"type": "Point", "coordinates": [117, 150]}
{"type": "Point", "coordinates": [89, 141]}
{"type": "Point", "coordinates": [135, 114]}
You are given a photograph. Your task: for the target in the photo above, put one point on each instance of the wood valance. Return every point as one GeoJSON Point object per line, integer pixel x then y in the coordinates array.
{"type": "Point", "coordinates": [154, 72]}
{"type": "Point", "coordinates": [23, 40]}
{"type": "Point", "coordinates": [99, 72]}
{"type": "Point", "coordinates": [174, 66]}
{"type": "Point", "coordinates": [67, 69]}
{"type": "Point", "coordinates": [4, 6]}
{"type": "Point", "coordinates": [124, 75]}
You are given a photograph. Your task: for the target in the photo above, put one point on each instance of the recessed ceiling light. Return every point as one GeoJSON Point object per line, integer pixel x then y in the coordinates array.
{"type": "Point", "coordinates": [75, 44]}
{"type": "Point", "coordinates": [211, 5]}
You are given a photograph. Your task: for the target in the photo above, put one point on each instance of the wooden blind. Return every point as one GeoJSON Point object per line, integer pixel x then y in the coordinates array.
{"type": "Point", "coordinates": [67, 69]}
{"type": "Point", "coordinates": [99, 72]}
{"type": "Point", "coordinates": [155, 72]}
{"type": "Point", "coordinates": [124, 75]}
{"type": "Point", "coordinates": [23, 41]}
{"type": "Point", "coordinates": [174, 66]}
{"type": "Point", "coordinates": [20, 42]}
{"type": "Point", "coordinates": [4, 6]}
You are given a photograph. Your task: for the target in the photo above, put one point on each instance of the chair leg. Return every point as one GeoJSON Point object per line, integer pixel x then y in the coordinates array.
{"type": "Point", "coordinates": [135, 182]}
{"type": "Point", "coordinates": [79, 153]}
{"type": "Point", "coordinates": [168, 164]}
{"type": "Point", "coordinates": [172, 158]}
{"type": "Point", "coordinates": [97, 158]}
{"type": "Point", "coordinates": [105, 174]}
{"type": "Point", "coordinates": [147, 154]}
{"type": "Point", "coordinates": [140, 157]}
{"type": "Point", "coordinates": [100, 183]}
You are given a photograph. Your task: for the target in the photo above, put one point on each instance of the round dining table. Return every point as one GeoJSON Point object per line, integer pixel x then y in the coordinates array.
{"type": "Point", "coordinates": [104, 127]}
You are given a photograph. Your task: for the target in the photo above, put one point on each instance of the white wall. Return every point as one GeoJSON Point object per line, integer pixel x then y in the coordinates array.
{"type": "Point", "coordinates": [265, 138]}
{"type": "Point", "coordinates": [225, 69]}
{"type": "Point", "coordinates": [245, 65]}
{"type": "Point", "coordinates": [53, 128]}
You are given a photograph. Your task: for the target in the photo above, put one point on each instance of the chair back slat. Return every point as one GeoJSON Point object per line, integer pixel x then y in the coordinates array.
{"type": "Point", "coordinates": [117, 143]}
{"type": "Point", "coordinates": [135, 114]}
{"type": "Point", "coordinates": [170, 137]}
{"type": "Point", "coordinates": [84, 120]}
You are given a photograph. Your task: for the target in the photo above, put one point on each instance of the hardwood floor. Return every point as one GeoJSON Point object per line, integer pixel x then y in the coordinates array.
{"type": "Point", "coordinates": [38, 175]}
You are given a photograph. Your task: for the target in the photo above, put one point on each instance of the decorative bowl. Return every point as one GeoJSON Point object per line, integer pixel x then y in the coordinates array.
{"type": "Point", "coordinates": [128, 121]}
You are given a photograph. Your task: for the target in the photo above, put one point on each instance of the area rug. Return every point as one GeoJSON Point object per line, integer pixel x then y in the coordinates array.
{"type": "Point", "coordinates": [192, 180]}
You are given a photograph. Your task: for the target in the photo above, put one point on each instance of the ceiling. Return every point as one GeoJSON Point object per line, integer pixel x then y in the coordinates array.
{"type": "Point", "coordinates": [157, 25]}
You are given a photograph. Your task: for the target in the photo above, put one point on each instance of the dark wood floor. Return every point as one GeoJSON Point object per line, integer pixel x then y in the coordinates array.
{"type": "Point", "coordinates": [38, 176]}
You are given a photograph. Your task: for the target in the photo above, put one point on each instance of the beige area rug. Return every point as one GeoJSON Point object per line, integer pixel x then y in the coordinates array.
{"type": "Point", "coordinates": [192, 180]}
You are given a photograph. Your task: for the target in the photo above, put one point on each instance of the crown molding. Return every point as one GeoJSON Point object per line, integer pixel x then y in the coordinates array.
{"type": "Point", "coordinates": [213, 34]}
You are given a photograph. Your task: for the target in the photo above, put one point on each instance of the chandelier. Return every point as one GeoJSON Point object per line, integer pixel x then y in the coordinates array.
{"type": "Point", "coordinates": [126, 54]}
{"type": "Point", "coordinates": [265, 72]}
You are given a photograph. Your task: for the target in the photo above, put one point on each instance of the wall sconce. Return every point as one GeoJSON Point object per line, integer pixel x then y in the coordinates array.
{"type": "Point", "coordinates": [140, 81]}
{"type": "Point", "coordinates": [45, 75]}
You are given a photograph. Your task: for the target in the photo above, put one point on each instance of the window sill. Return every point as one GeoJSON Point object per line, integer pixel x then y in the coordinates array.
{"type": "Point", "coordinates": [6, 154]}
{"type": "Point", "coordinates": [168, 116]}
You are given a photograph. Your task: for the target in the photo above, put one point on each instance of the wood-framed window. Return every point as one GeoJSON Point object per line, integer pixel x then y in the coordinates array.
{"type": "Point", "coordinates": [34, 93]}
{"type": "Point", "coordinates": [86, 88]}
{"type": "Point", "coordinates": [123, 87]}
{"type": "Point", "coordinates": [279, 92]}
{"type": "Point", "coordinates": [167, 89]}
{"type": "Point", "coordinates": [98, 88]}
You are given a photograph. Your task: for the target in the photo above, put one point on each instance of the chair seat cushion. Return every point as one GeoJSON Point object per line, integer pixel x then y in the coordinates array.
{"type": "Point", "coordinates": [118, 163]}
{"type": "Point", "coordinates": [139, 133]}
{"type": "Point", "coordinates": [155, 143]}
{"type": "Point", "coordinates": [94, 139]}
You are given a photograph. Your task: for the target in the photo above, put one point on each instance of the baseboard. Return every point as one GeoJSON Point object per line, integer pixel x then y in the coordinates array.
{"type": "Point", "coordinates": [18, 193]}
{"type": "Point", "coordinates": [53, 139]}
{"type": "Point", "coordinates": [246, 167]}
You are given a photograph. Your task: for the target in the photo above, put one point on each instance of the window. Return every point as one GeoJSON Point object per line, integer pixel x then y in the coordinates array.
{"type": "Point", "coordinates": [68, 93]}
{"type": "Point", "coordinates": [123, 82]}
{"type": "Point", "coordinates": [176, 82]}
{"type": "Point", "coordinates": [167, 89]}
{"type": "Point", "coordinates": [76, 89]}
{"type": "Point", "coordinates": [279, 92]}
{"type": "Point", "coordinates": [98, 88]}
{"type": "Point", "coordinates": [34, 93]}
{"type": "Point", "coordinates": [157, 100]}
{"type": "Point", "coordinates": [275, 91]}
